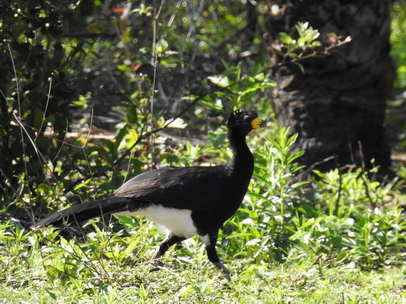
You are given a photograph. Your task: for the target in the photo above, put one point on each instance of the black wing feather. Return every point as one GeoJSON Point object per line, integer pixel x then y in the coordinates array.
{"type": "Point", "coordinates": [195, 188]}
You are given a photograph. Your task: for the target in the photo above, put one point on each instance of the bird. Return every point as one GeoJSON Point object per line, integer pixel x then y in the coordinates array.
{"type": "Point", "coordinates": [187, 201]}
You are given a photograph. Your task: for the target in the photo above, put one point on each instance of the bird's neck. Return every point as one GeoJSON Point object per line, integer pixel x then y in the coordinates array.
{"type": "Point", "coordinates": [242, 161]}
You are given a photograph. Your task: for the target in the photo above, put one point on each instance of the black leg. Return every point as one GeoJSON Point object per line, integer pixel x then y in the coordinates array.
{"type": "Point", "coordinates": [164, 246]}
{"type": "Point", "coordinates": [210, 242]}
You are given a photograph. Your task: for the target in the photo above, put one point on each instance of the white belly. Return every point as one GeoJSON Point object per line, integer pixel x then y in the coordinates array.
{"type": "Point", "coordinates": [178, 221]}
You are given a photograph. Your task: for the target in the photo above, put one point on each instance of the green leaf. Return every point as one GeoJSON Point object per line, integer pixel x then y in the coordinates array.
{"type": "Point", "coordinates": [161, 46]}
{"type": "Point", "coordinates": [120, 136]}
{"type": "Point", "coordinates": [260, 76]}
{"type": "Point", "coordinates": [124, 68]}
{"type": "Point", "coordinates": [217, 138]}
{"type": "Point", "coordinates": [285, 38]}
{"type": "Point", "coordinates": [177, 123]}
{"type": "Point", "coordinates": [42, 188]}
{"type": "Point", "coordinates": [303, 40]}
{"type": "Point", "coordinates": [341, 256]}
{"type": "Point", "coordinates": [220, 80]}
{"type": "Point", "coordinates": [51, 294]}
{"type": "Point", "coordinates": [292, 139]}
{"type": "Point", "coordinates": [81, 185]}
{"type": "Point", "coordinates": [295, 156]}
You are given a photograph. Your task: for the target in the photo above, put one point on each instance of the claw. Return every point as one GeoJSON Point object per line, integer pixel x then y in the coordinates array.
{"type": "Point", "coordinates": [224, 270]}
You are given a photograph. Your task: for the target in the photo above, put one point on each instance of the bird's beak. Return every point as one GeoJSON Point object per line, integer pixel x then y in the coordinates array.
{"type": "Point", "coordinates": [258, 123]}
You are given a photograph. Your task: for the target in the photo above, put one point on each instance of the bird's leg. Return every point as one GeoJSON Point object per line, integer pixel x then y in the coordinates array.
{"type": "Point", "coordinates": [210, 242]}
{"type": "Point", "coordinates": [164, 246]}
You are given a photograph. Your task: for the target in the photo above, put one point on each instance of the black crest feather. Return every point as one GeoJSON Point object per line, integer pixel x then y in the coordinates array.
{"type": "Point", "coordinates": [241, 116]}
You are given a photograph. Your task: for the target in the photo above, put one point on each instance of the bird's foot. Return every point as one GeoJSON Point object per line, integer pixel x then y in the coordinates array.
{"type": "Point", "coordinates": [224, 270]}
{"type": "Point", "coordinates": [156, 263]}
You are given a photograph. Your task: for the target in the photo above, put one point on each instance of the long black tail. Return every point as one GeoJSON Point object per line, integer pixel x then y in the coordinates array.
{"type": "Point", "coordinates": [82, 212]}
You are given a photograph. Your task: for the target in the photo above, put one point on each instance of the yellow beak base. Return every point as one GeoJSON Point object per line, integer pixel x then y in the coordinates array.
{"type": "Point", "coordinates": [256, 123]}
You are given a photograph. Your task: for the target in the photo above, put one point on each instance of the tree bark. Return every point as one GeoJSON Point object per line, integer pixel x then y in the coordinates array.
{"type": "Point", "coordinates": [336, 103]}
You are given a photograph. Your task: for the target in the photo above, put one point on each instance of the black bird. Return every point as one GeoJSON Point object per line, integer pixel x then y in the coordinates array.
{"type": "Point", "coordinates": [187, 201]}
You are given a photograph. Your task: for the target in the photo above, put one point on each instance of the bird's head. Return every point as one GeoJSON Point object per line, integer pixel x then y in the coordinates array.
{"type": "Point", "coordinates": [244, 121]}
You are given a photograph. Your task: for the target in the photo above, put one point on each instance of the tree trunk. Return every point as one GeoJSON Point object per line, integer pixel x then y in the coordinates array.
{"type": "Point", "coordinates": [336, 103]}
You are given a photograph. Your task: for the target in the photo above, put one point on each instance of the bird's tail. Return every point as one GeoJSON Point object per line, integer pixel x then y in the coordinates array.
{"type": "Point", "coordinates": [82, 212]}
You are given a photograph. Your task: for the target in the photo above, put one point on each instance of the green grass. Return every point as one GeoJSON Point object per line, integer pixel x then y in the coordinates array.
{"type": "Point", "coordinates": [28, 276]}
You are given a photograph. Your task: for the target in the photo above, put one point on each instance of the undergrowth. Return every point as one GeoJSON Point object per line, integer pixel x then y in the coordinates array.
{"type": "Point", "coordinates": [328, 240]}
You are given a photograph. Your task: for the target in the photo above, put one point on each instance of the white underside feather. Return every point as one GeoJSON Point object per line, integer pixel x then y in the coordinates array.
{"type": "Point", "coordinates": [178, 221]}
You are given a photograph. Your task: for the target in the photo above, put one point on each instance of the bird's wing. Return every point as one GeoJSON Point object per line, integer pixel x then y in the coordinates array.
{"type": "Point", "coordinates": [195, 188]}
